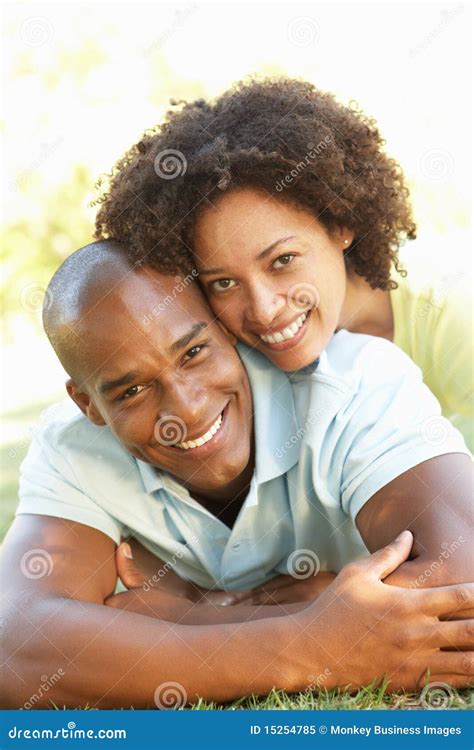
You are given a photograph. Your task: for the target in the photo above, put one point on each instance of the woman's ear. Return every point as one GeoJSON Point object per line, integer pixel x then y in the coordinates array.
{"type": "Point", "coordinates": [344, 237]}
{"type": "Point", "coordinates": [85, 403]}
{"type": "Point", "coordinates": [229, 336]}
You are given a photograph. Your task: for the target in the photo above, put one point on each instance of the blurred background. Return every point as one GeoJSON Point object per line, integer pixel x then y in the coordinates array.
{"type": "Point", "coordinates": [82, 81]}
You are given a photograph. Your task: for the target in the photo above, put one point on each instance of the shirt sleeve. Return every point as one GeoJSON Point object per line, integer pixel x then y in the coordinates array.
{"type": "Point", "coordinates": [390, 424]}
{"type": "Point", "coordinates": [49, 487]}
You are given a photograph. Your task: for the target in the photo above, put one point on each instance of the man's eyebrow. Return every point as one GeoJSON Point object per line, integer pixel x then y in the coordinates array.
{"type": "Point", "coordinates": [182, 342]}
{"type": "Point", "coordinates": [260, 256]}
{"type": "Point", "coordinates": [111, 385]}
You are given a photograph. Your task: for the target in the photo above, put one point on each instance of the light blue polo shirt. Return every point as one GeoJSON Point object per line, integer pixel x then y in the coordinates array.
{"type": "Point", "coordinates": [327, 439]}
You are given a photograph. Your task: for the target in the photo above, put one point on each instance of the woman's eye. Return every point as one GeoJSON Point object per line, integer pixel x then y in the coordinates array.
{"type": "Point", "coordinates": [283, 260]}
{"type": "Point", "coordinates": [134, 390]}
{"type": "Point", "coordinates": [221, 285]}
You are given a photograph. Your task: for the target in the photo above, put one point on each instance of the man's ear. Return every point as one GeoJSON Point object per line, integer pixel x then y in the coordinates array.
{"type": "Point", "coordinates": [85, 403]}
{"type": "Point", "coordinates": [229, 336]}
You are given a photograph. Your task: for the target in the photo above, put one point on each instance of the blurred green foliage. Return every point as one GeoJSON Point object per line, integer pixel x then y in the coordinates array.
{"type": "Point", "coordinates": [32, 249]}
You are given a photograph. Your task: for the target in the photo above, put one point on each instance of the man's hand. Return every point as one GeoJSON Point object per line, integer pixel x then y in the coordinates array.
{"type": "Point", "coordinates": [284, 590]}
{"type": "Point", "coordinates": [136, 568]}
{"type": "Point", "coordinates": [139, 569]}
{"type": "Point", "coordinates": [147, 596]}
{"type": "Point", "coordinates": [368, 628]}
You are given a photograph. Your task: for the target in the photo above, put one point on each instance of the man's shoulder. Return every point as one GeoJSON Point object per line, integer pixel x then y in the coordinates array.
{"type": "Point", "coordinates": [63, 429]}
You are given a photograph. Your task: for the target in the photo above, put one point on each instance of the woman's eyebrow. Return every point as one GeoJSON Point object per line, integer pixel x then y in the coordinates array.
{"type": "Point", "coordinates": [260, 256]}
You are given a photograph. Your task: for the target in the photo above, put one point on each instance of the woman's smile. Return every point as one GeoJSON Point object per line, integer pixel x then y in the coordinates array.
{"type": "Point", "coordinates": [289, 336]}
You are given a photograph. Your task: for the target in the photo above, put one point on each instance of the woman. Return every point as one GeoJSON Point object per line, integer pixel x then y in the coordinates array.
{"type": "Point", "coordinates": [286, 203]}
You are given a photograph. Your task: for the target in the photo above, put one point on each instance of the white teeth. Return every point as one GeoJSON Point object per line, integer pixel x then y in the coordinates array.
{"type": "Point", "coordinates": [287, 333]}
{"type": "Point", "coordinates": [204, 438]}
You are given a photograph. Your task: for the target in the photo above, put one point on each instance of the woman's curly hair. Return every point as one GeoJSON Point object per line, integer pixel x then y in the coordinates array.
{"type": "Point", "coordinates": [282, 136]}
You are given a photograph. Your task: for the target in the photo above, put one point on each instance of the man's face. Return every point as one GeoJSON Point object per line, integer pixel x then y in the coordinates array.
{"type": "Point", "coordinates": [167, 380]}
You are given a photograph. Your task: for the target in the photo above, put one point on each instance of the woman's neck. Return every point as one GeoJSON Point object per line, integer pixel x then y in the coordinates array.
{"type": "Point", "coordinates": [366, 310]}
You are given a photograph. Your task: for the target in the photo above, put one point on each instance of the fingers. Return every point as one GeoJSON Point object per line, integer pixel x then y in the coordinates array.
{"type": "Point", "coordinates": [383, 562]}
{"type": "Point", "coordinates": [450, 663]}
{"type": "Point", "coordinates": [127, 569]}
{"type": "Point", "coordinates": [276, 583]}
{"type": "Point", "coordinates": [225, 598]}
{"type": "Point", "coordinates": [446, 682]}
{"type": "Point", "coordinates": [447, 600]}
{"type": "Point", "coordinates": [457, 634]}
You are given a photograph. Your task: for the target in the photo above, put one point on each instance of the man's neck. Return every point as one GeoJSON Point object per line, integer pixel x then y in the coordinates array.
{"type": "Point", "coordinates": [225, 502]}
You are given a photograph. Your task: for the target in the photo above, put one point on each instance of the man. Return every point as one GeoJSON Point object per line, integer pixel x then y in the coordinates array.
{"type": "Point", "coordinates": [228, 502]}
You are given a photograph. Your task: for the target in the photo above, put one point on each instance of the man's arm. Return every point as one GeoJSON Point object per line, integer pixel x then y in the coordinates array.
{"type": "Point", "coordinates": [434, 501]}
{"type": "Point", "coordinates": [146, 595]}
{"type": "Point", "coordinates": [57, 573]}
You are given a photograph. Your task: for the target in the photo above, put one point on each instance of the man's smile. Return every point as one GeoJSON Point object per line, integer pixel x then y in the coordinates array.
{"type": "Point", "coordinates": [205, 437]}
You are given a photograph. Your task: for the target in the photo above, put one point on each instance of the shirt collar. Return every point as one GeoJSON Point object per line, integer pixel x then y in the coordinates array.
{"type": "Point", "coordinates": [152, 478]}
{"type": "Point", "coordinates": [275, 425]}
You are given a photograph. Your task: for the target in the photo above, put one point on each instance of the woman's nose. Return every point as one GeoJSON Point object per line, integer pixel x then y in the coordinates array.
{"type": "Point", "coordinates": [263, 306]}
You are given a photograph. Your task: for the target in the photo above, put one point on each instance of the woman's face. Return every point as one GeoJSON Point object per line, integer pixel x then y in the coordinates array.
{"type": "Point", "coordinates": [272, 274]}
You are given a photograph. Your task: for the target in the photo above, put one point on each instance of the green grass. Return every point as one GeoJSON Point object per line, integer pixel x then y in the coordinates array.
{"type": "Point", "coordinates": [372, 697]}
{"type": "Point", "coordinates": [368, 698]}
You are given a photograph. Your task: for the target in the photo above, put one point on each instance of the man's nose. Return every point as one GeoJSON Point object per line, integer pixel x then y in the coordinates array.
{"type": "Point", "coordinates": [264, 304]}
{"type": "Point", "coordinates": [184, 404]}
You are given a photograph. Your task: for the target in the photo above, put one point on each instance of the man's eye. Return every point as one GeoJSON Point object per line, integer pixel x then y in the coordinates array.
{"type": "Point", "coordinates": [134, 390]}
{"type": "Point", "coordinates": [194, 351]}
{"type": "Point", "coordinates": [283, 260]}
{"type": "Point", "coordinates": [221, 285]}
